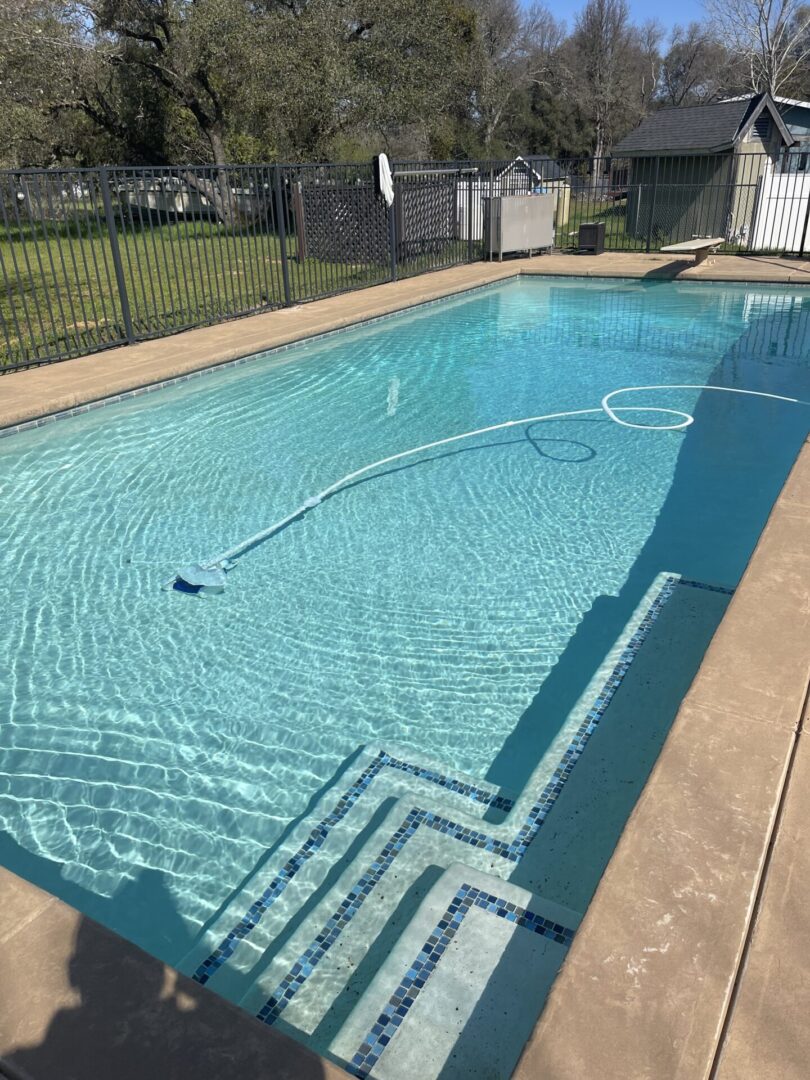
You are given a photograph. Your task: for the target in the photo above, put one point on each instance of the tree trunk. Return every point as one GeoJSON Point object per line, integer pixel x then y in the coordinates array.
{"type": "Point", "coordinates": [598, 159]}
{"type": "Point", "coordinates": [215, 187]}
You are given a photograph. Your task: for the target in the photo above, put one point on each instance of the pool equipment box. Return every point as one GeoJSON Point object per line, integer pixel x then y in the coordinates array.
{"type": "Point", "coordinates": [518, 223]}
{"type": "Point", "coordinates": [592, 237]}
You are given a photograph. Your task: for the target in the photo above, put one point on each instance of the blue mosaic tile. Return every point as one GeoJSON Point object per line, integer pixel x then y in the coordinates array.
{"type": "Point", "coordinates": [513, 851]}
{"type": "Point", "coordinates": [317, 838]}
{"type": "Point", "coordinates": [703, 585]}
{"type": "Point", "coordinates": [406, 994]}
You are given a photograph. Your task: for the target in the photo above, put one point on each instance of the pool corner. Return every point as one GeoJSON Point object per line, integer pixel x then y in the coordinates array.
{"type": "Point", "coordinates": [677, 965]}
{"type": "Point", "coordinates": [78, 997]}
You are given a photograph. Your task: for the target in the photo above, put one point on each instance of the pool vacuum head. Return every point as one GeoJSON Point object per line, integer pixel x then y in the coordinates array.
{"type": "Point", "coordinates": [201, 579]}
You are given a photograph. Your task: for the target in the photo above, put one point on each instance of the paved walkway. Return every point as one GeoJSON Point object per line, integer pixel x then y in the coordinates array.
{"type": "Point", "coordinates": [27, 395]}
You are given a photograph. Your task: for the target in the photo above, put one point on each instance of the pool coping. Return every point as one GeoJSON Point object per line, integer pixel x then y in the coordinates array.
{"type": "Point", "coordinates": [37, 396]}
{"type": "Point", "coordinates": [79, 1002]}
{"type": "Point", "coordinates": [679, 964]}
{"type": "Point", "coordinates": [661, 995]}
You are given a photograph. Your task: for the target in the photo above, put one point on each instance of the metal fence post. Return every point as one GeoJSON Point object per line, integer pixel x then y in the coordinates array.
{"type": "Point", "coordinates": [392, 237]}
{"type": "Point", "coordinates": [652, 205]}
{"type": "Point", "coordinates": [120, 281]}
{"type": "Point", "coordinates": [282, 234]}
{"type": "Point", "coordinates": [804, 227]}
{"type": "Point", "coordinates": [469, 218]}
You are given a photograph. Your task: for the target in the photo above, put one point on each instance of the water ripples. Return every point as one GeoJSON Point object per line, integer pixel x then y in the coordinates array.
{"type": "Point", "coordinates": [423, 607]}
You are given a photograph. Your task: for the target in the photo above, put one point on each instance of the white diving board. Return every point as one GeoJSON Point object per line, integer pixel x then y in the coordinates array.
{"type": "Point", "coordinates": [700, 247]}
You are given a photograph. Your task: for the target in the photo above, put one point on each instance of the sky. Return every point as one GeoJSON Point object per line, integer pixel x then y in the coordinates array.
{"type": "Point", "coordinates": [667, 13]}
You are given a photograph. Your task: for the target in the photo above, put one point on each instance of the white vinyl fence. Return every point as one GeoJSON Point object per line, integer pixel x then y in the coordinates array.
{"type": "Point", "coordinates": [781, 219]}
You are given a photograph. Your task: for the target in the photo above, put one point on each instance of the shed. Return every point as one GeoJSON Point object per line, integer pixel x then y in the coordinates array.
{"type": "Point", "coordinates": [694, 171]}
{"type": "Point", "coordinates": [796, 117]}
{"type": "Point", "coordinates": [522, 175]}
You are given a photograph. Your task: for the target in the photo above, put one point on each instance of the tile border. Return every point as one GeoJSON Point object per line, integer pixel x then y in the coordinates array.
{"type": "Point", "coordinates": [250, 920]}
{"type": "Point", "coordinates": [514, 851]}
{"type": "Point", "coordinates": [413, 982]}
{"type": "Point", "coordinates": [317, 838]}
{"type": "Point", "coordinates": [264, 354]}
{"type": "Point", "coordinates": [709, 588]}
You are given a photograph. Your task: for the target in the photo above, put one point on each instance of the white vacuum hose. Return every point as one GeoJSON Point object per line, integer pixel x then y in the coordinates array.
{"type": "Point", "coordinates": [210, 575]}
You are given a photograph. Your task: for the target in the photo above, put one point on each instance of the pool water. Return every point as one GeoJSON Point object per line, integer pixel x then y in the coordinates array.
{"type": "Point", "coordinates": [155, 745]}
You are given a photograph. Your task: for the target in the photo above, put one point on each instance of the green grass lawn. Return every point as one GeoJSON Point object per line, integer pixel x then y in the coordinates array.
{"type": "Point", "coordinates": [614, 215]}
{"type": "Point", "coordinates": [617, 238]}
{"type": "Point", "coordinates": [60, 296]}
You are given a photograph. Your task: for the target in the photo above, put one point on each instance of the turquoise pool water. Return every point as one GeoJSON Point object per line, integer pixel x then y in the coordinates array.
{"type": "Point", "coordinates": [155, 745]}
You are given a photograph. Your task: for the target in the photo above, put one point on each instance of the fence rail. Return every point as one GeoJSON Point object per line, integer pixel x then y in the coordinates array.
{"type": "Point", "coordinates": [91, 258]}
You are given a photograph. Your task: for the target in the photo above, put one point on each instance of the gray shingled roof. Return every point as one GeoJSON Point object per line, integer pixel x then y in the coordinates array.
{"type": "Point", "coordinates": [695, 128]}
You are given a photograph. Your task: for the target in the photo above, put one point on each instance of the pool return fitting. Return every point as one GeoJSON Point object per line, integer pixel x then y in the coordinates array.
{"type": "Point", "coordinates": [210, 576]}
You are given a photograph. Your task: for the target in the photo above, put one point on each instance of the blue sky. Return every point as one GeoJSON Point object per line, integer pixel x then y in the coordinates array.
{"type": "Point", "coordinates": [675, 11]}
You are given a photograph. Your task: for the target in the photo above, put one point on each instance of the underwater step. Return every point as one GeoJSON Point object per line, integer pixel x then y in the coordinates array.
{"type": "Point", "coordinates": [462, 988]}
{"type": "Point", "coordinates": [319, 847]}
{"type": "Point", "coordinates": [298, 947]}
{"type": "Point", "coordinates": [308, 985]}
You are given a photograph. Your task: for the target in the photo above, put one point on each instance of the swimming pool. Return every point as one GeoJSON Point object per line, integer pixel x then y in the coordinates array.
{"type": "Point", "coordinates": [157, 746]}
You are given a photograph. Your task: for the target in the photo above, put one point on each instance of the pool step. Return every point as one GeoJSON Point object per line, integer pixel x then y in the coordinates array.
{"type": "Point", "coordinates": [308, 981]}
{"type": "Point", "coordinates": [313, 980]}
{"type": "Point", "coordinates": [319, 847]}
{"type": "Point", "coordinates": [460, 992]}
{"type": "Point", "coordinates": [303, 941]}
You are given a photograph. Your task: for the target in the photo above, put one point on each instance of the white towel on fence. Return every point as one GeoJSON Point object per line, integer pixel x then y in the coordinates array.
{"type": "Point", "coordinates": [386, 179]}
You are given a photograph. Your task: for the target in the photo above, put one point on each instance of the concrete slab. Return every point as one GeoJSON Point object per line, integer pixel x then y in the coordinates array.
{"type": "Point", "coordinates": [768, 1036]}
{"type": "Point", "coordinates": [79, 1003]}
{"type": "Point", "coordinates": [21, 903]}
{"type": "Point", "coordinates": [654, 961]}
{"type": "Point", "coordinates": [796, 491]}
{"type": "Point", "coordinates": [758, 664]}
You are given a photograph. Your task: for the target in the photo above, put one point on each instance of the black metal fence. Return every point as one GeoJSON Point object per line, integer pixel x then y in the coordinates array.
{"type": "Point", "coordinates": [91, 258]}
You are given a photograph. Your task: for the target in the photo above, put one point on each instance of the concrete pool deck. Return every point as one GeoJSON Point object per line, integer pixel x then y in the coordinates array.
{"type": "Point", "coordinates": [53, 388]}
{"type": "Point", "coordinates": [78, 1002]}
{"type": "Point", "coordinates": [691, 958]}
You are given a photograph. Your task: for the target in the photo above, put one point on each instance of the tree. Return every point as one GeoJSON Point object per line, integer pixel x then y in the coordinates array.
{"type": "Point", "coordinates": [515, 50]}
{"type": "Point", "coordinates": [611, 70]}
{"type": "Point", "coordinates": [553, 124]}
{"type": "Point", "coordinates": [696, 69]}
{"type": "Point", "coordinates": [223, 80]}
{"type": "Point", "coordinates": [409, 68]}
{"type": "Point", "coordinates": [41, 46]}
{"type": "Point", "coordinates": [219, 81]}
{"type": "Point", "coordinates": [770, 37]}
{"type": "Point", "coordinates": [645, 63]}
